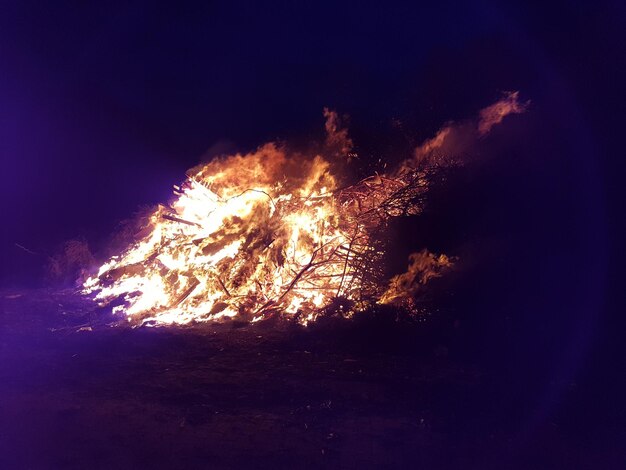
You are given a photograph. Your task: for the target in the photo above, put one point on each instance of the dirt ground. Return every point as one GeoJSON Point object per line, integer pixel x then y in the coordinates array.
{"type": "Point", "coordinates": [79, 391]}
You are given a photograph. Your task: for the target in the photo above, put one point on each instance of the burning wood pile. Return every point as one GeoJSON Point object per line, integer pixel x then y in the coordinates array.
{"type": "Point", "coordinates": [245, 238]}
{"type": "Point", "coordinates": [263, 234]}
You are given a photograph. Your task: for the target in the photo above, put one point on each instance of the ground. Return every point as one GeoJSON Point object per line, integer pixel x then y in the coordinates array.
{"type": "Point", "coordinates": [81, 391]}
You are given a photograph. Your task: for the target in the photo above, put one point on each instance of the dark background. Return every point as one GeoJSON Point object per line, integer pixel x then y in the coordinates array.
{"type": "Point", "coordinates": [103, 108]}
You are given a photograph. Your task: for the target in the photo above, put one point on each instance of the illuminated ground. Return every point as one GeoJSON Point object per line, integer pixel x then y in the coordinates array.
{"type": "Point", "coordinates": [371, 394]}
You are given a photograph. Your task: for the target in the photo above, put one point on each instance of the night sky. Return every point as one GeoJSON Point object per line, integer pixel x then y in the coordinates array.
{"type": "Point", "coordinates": [103, 107]}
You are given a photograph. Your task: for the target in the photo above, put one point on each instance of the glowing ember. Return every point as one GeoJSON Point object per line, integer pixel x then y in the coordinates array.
{"type": "Point", "coordinates": [269, 232]}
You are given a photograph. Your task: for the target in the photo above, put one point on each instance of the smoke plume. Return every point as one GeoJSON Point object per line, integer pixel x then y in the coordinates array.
{"type": "Point", "coordinates": [453, 141]}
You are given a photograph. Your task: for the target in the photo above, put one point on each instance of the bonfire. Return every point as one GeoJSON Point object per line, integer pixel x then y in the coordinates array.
{"type": "Point", "coordinates": [277, 233]}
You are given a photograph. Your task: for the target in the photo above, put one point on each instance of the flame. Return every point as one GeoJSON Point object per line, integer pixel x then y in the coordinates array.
{"type": "Point", "coordinates": [245, 235]}
{"type": "Point", "coordinates": [423, 266]}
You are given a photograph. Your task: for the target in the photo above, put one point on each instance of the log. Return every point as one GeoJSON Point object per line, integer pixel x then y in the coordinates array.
{"type": "Point", "coordinates": [177, 219]}
{"type": "Point", "coordinates": [188, 291]}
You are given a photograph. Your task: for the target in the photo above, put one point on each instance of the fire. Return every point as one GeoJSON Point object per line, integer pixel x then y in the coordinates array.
{"type": "Point", "coordinates": [248, 235]}
{"type": "Point", "coordinates": [271, 232]}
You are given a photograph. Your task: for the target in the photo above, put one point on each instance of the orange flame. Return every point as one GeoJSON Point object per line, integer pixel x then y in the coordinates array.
{"type": "Point", "coordinates": [245, 235]}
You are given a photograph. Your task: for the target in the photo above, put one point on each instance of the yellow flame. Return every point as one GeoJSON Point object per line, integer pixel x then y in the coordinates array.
{"type": "Point", "coordinates": [244, 235]}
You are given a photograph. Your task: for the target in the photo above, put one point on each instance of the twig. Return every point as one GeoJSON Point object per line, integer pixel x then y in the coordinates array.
{"type": "Point", "coordinates": [26, 249]}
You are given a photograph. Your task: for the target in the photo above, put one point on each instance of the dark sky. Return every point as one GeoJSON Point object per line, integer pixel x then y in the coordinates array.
{"type": "Point", "coordinates": [104, 106]}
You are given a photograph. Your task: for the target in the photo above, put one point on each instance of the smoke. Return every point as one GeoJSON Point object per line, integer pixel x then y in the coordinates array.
{"type": "Point", "coordinates": [455, 140]}
{"type": "Point", "coordinates": [70, 263]}
{"type": "Point", "coordinates": [338, 142]}
{"type": "Point", "coordinates": [494, 114]}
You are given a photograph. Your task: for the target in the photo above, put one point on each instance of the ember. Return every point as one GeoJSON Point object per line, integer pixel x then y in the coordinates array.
{"type": "Point", "coordinates": [273, 232]}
